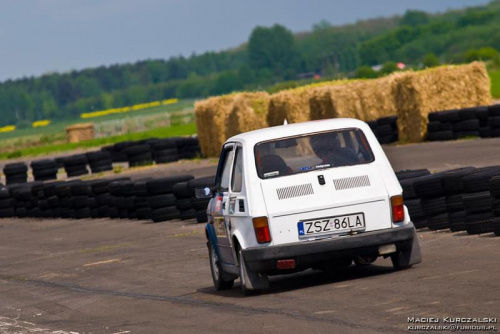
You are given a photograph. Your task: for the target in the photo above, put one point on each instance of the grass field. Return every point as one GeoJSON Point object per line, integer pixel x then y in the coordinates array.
{"type": "Point", "coordinates": [173, 131]}
{"type": "Point", "coordinates": [495, 84]}
{"type": "Point", "coordinates": [60, 126]}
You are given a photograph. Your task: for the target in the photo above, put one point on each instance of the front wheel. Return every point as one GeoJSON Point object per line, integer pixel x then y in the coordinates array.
{"type": "Point", "coordinates": [216, 269]}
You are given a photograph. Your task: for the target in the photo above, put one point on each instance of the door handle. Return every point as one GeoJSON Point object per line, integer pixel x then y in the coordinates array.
{"type": "Point", "coordinates": [232, 198]}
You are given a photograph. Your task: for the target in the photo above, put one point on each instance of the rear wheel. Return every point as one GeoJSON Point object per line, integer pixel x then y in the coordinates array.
{"type": "Point", "coordinates": [216, 269]}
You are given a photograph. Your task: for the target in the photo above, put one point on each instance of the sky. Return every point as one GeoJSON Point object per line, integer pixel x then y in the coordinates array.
{"type": "Point", "coordinates": [44, 36]}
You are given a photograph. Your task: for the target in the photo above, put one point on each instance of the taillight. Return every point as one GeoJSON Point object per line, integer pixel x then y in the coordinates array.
{"type": "Point", "coordinates": [261, 227]}
{"type": "Point", "coordinates": [398, 210]}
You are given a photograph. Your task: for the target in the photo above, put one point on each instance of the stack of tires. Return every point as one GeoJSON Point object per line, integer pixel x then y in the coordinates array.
{"type": "Point", "coordinates": [407, 178]}
{"type": "Point", "coordinates": [121, 195]}
{"type": "Point", "coordinates": [141, 201]}
{"type": "Point", "coordinates": [494, 120]}
{"type": "Point", "coordinates": [7, 204]}
{"type": "Point", "coordinates": [99, 161]}
{"type": "Point", "coordinates": [161, 198]}
{"type": "Point", "coordinates": [200, 204]}
{"type": "Point", "coordinates": [495, 194]}
{"type": "Point", "coordinates": [183, 200]}
{"type": "Point", "coordinates": [44, 170]}
{"type": "Point", "coordinates": [76, 165]}
{"type": "Point", "coordinates": [139, 155]}
{"type": "Point", "coordinates": [165, 150]}
{"type": "Point", "coordinates": [16, 173]}
{"type": "Point", "coordinates": [101, 192]}
{"type": "Point", "coordinates": [387, 129]}
{"type": "Point", "coordinates": [456, 124]}
{"type": "Point", "coordinates": [117, 151]}
{"type": "Point", "coordinates": [433, 202]}
{"type": "Point", "coordinates": [50, 202]}
{"type": "Point", "coordinates": [454, 195]}
{"type": "Point", "coordinates": [478, 201]}
{"type": "Point", "coordinates": [188, 148]}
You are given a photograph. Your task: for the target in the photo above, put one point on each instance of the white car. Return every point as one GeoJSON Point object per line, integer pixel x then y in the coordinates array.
{"type": "Point", "coordinates": [318, 194]}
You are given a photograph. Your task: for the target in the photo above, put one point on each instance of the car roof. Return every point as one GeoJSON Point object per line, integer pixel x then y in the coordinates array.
{"type": "Point", "coordinates": [295, 129]}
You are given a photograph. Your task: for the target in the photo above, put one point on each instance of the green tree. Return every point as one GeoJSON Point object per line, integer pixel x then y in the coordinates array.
{"type": "Point", "coordinates": [486, 53]}
{"type": "Point", "coordinates": [389, 67]}
{"type": "Point", "coordinates": [272, 48]}
{"type": "Point", "coordinates": [365, 72]}
{"type": "Point", "coordinates": [430, 60]}
{"type": "Point", "coordinates": [414, 18]}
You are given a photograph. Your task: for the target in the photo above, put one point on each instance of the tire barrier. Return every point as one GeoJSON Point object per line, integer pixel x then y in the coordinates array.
{"type": "Point", "coordinates": [481, 122]}
{"type": "Point", "coordinates": [136, 153]}
{"type": "Point", "coordinates": [156, 200]}
{"type": "Point", "coordinates": [463, 199]}
{"type": "Point", "coordinates": [385, 129]}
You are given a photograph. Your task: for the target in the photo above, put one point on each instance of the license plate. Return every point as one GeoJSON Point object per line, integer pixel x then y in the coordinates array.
{"type": "Point", "coordinates": [332, 225]}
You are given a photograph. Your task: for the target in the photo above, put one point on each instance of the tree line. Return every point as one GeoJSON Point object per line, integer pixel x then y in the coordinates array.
{"type": "Point", "coordinates": [271, 55]}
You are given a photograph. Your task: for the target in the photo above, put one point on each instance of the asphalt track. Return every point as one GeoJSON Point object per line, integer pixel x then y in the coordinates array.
{"type": "Point", "coordinates": [123, 276]}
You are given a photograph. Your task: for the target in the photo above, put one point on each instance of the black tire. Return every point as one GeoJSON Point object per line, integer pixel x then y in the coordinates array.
{"type": "Point", "coordinates": [163, 159]}
{"type": "Point", "coordinates": [457, 221]}
{"type": "Point", "coordinates": [80, 189]}
{"type": "Point", "coordinates": [479, 180]}
{"type": "Point", "coordinates": [439, 222]}
{"type": "Point", "coordinates": [188, 214]}
{"type": "Point", "coordinates": [477, 202]}
{"type": "Point", "coordinates": [451, 116]}
{"type": "Point", "coordinates": [429, 186]}
{"type": "Point", "coordinates": [141, 202]}
{"type": "Point", "coordinates": [220, 283]}
{"type": "Point", "coordinates": [75, 160]}
{"type": "Point", "coordinates": [485, 132]}
{"type": "Point", "coordinates": [168, 151]}
{"type": "Point", "coordinates": [414, 209]}
{"type": "Point", "coordinates": [494, 185]}
{"type": "Point", "coordinates": [440, 136]}
{"type": "Point", "coordinates": [454, 202]}
{"type": "Point", "coordinates": [183, 204]}
{"type": "Point", "coordinates": [8, 212]}
{"type": "Point", "coordinates": [411, 174]}
{"type": "Point", "coordinates": [434, 126]}
{"type": "Point", "coordinates": [408, 188]}
{"type": "Point", "coordinates": [78, 202]}
{"type": "Point", "coordinates": [494, 110]}
{"type": "Point", "coordinates": [495, 206]}
{"type": "Point", "coordinates": [467, 114]}
{"type": "Point", "coordinates": [181, 190]}
{"type": "Point", "coordinates": [7, 203]}
{"type": "Point", "coordinates": [479, 223]}
{"type": "Point", "coordinates": [83, 213]}
{"type": "Point", "coordinates": [468, 125]}
{"type": "Point", "coordinates": [4, 193]}
{"type": "Point", "coordinates": [96, 157]}
{"type": "Point", "coordinates": [161, 201]}
{"type": "Point", "coordinates": [199, 203]}
{"type": "Point", "coordinates": [15, 168]}
{"type": "Point", "coordinates": [45, 172]}
{"type": "Point", "coordinates": [433, 206]}
{"type": "Point", "coordinates": [78, 172]}
{"type": "Point", "coordinates": [144, 213]}
{"type": "Point", "coordinates": [163, 144]}
{"type": "Point", "coordinates": [165, 214]}
{"type": "Point", "coordinates": [165, 185]}
{"type": "Point", "coordinates": [43, 164]}
{"type": "Point", "coordinates": [201, 216]}
{"type": "Point", "coordinates": [385, 130]}
{"type": "Point", "coordinates": [453, 179]}
{"type": "Point", "coordinates": [16, 179]}
{"type": "Point", "coordinates": [21, 212]}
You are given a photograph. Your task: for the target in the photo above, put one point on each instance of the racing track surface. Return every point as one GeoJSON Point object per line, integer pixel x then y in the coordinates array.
{"type": "Point", "coordinates": [122, 276]}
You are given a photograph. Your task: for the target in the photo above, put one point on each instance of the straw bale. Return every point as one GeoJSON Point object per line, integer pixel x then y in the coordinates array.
{"type": "Point", "coordinates": [211, 116]}
{"type": "Point", "coordinates": [448, 87]}
{"type": "Point", "coordinates": [292, 105]}
{"type": "Point", "coordinates": [78, 132]}
{"type": "Point", "coordinates": [249, 113]}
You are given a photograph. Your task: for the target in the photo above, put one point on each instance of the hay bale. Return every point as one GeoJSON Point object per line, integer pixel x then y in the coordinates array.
{"type": "Point", "coordinates": [293, 104]}
{"type": "Point", "coordinates": [448, 87]}
{"type": "Point", "coordinates": [78, 132]}
{"type": "Point", "coordinates": [249, 113]}
{"type": "Point", "coordinates": [211, 116]}
{"type": "Point", "coordinates": [362, 99]}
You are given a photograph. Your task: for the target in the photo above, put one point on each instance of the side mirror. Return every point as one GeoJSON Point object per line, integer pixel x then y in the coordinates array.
{"type": "Point", "coordinates": [203, 192]}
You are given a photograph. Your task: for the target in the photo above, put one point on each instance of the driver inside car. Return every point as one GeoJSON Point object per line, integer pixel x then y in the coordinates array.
{"type": "Point", "coordinates": [328, 147]}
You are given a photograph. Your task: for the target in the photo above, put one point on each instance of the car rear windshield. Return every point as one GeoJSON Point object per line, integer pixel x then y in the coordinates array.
{"type": "Point", "coordinates": [293, 155]}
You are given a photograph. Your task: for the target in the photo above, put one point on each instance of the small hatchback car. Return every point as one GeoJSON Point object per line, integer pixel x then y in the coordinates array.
{"type": "Point", "coordinates": [318, 194]}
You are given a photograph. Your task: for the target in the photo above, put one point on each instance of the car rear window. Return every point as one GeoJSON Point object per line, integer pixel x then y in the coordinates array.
{"type": "Point", "coordinates": [301, 154]}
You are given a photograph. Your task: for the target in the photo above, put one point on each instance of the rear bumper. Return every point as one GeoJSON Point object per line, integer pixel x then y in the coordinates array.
{"type": "Point", "coordinates": [307, 253]}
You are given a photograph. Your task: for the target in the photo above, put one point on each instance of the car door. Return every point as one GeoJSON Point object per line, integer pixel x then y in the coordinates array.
{"type": "Point", "coordinates": [220, 211]}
